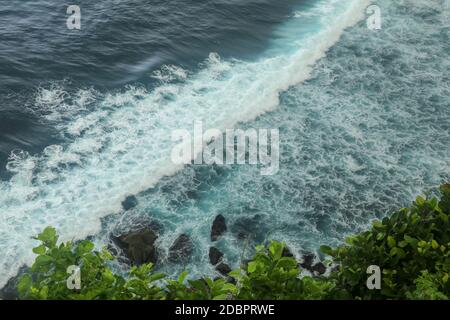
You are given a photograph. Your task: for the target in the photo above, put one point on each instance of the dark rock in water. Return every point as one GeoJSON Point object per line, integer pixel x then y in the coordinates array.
{"type": "Point", "coordinates": [335, 268]}
{"type": "Point", "coordinates": [287, 253]}
{"type": "Point", "coordinates": [129, 202]}
{"type": "Point", "coordinates": [112, 249]}
{"type": "Point", "coordinates": [139, 246]}
{"type": "Point", "coordinates": [218, 227]}
{"type": "Point", "coordinates": [242, 236]}
{"type": "Point", "coordinates": [252, 228]}
{"type": "Point", "coordinates": [9, 291]}
{"type": "Point", "coordinates": [215, 255]}
{"type": "Point", "coordinates": [308, 260]}
{"type": "Point", "coordinates": [191, 194]}
{"type": "Point", "coordinates": [181, 249]}
{"type": "Point", "coordinates": [319, 268]}
{"type": "Point", "coordinates": [223, 268]}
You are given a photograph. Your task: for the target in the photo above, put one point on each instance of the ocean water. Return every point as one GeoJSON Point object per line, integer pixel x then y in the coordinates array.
{"type": "Point", "coordinates": [87, 119]}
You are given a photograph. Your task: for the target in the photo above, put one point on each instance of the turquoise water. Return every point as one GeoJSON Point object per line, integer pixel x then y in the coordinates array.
{"type": "Point", "coordinates": [363, 136]}
{"type": "Point", "coordinates": [364, 127]}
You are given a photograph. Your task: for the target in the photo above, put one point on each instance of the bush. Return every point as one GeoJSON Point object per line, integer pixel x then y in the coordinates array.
{"type": "Point", "coordinates": [412, 248]}
{"type": "Point", "coordinates": [267, 276]}
{"type": "Point", "coordinates": [47, 277]}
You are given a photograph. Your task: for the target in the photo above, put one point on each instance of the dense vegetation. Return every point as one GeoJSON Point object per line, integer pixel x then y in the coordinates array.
{"type": "Point", "coordinates": [411, 247]}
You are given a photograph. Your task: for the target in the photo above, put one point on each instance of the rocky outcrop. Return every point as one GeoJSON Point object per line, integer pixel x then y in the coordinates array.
{"type": "Point", "coordinates": [287, 253]}
{"type": "Point", "coordinates": [315, 268]}
{"type": "Point", "coordinates": [9, 291]}
{"type": "Point", "coordinates": [218, 228]}
{"type": "Point", "coordinates": [223, 269]}
{"type": "Point", "coordinates": [319, 268]}
{"type": "Point", "coordinates": [138, 246]}
{"type": "Point", "coordinates": [181, 249]}
{"type": "Point", "coordinates": [215, 255]}
{"type": "Point", "coordinates": [335, 268]}
{"type": "Point", "coordinates": [308, 260]}
{"type": "Point", "coordinates": [216, 259]}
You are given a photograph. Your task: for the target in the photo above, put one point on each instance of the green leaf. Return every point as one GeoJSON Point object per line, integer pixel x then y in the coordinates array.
{"type": "Point", "coordinates": [422, 244]}
{"type": "Point", "coordinates": [276, 249]}
{"type": "Point", "coordinates": [84, 247]}
{"type": "Point", "coordinates": [48, 237]}
{"type": "Point", "coordinates": [420, 200]}
{"type": "Point", "coordinates": [236, 273]}
{"type": "Point", "coordinates": [40, 249]}
{"type": "Point", "coordinates": [434, 244]}
{"type": "Point", "coordinates": [157, 276]}
{"type": "Point", "coordinates": [252, 266]}
{"type": "Point", "coordinates": [377, 224]}
{"type": "Point", "coordinates": [24, 284]}
{"type": "Point", "coordinates": [326, 250]}
{"type": "Point", "coordinates": [397, 252]}
{"type": "Point", "coordinates": [182, 277]}
{"type": "Point", "coordinates": [402, 244]}
{"type": "Point", "coordinates": [443, 217]}
{"type": "Point", "coordinates": [42, 260]}
{"type": "Point", "coordinates": [391, 241]}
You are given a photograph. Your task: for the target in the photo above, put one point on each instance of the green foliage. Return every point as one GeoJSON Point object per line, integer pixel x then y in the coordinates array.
{"type": "Point", "coordinates": [269, 275]}
{"type": "Point", "coordinates": [429, 287]}
{"type": "Point", "coordinates": [412, 248]}
{"type": "Point", "coordinates": [47, 278]}
{"type": "Point", "coordinates": [202, 289]}
{"type": "Point", "coordinates": [48, 275]}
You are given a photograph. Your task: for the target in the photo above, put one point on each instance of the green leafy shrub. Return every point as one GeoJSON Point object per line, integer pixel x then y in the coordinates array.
{"type": "Point", "coordinates": [202, 289]}
{"type": "Point", "coordinates": [412, 248]}
{"type": "Point", "coordinates": [269, 275]}
{"type": "Point", "coordinates": [47, 277]}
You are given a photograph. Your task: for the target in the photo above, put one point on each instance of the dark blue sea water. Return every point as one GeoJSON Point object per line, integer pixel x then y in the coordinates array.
{"type": "Point", "coordinates": [120, 42]}
{"type": "Point", "coordinates": [86, 118]}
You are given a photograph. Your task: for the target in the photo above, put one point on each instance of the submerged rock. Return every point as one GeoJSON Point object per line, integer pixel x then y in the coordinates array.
{"type": "Point", "coordinates": [129, 202]}
{"type": "Point", "coordinates": [215, 255]}
{"type": "Point", "coordinates": [139, 246]}
{"type": "Point", "coordinates": [218, 227]}
{"type": "Point", "coordinates": [181, 249]}
{"type": "Point", "coordinates": [253, 229]}
{"type": "Point", "coordinates": [9, 291]}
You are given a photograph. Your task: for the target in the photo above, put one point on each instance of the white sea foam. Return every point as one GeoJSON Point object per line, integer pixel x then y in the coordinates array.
{"type": "Point", "coordinates": [123, 146]}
